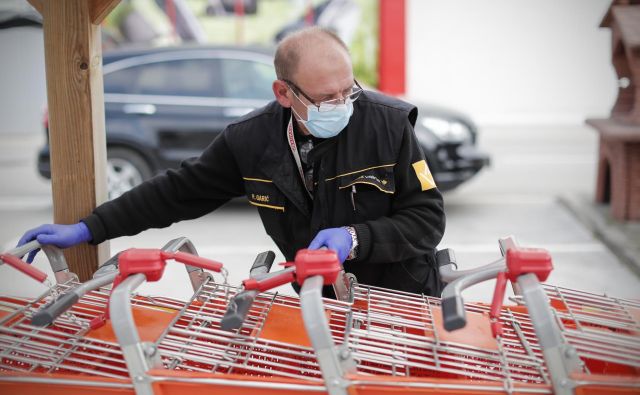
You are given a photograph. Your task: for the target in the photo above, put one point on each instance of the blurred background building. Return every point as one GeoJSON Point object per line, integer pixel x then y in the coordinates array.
{"type": "Point", "coordinates": [499, 61]}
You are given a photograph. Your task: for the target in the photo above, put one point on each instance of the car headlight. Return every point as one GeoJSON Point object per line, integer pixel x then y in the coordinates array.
{"type": "Point", "coordinates": [445, 130]}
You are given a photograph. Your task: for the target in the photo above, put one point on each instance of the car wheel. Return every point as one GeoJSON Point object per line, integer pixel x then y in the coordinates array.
{"type": "Point", "coordinates": [125, 170]}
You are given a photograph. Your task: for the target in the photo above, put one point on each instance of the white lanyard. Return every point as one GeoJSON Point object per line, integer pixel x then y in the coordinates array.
{"type": "Point", "coordinates": [294, 150]}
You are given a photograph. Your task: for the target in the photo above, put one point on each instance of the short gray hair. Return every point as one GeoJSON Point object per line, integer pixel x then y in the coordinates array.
{"type": "Point", "coordinates": [289, 50]}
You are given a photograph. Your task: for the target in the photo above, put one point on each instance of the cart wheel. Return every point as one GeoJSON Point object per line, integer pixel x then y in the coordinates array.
{"type": "Point", "coordinates": [125, 170]}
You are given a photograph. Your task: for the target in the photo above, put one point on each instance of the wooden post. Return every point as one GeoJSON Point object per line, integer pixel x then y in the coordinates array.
{"type": "Point", "coordinates": [73, 62]}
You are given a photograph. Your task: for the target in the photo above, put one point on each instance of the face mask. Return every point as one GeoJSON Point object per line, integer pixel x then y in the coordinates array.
{"type": "Point", "coordinates": [327, 124]}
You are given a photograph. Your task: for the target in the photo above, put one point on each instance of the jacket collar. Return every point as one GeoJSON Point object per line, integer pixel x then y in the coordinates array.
{"type": "Point", "coordinates": [278, 163]}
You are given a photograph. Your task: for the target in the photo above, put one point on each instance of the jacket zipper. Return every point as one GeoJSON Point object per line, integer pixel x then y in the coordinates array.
{"type": "Point", "coordinates": [353, 194]}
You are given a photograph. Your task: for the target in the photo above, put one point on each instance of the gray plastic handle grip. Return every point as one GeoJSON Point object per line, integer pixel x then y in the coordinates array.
{"type": "Point", "coordinates": [453, 313]}
{"type": "Point", "coordinates": [51, 311]}
{"type": "Point", "coordinates": [446, 257]}
{"type": "Point", "coordinates": [262, 264]}
{"type": "Point", "coordinates": [237, 310]}
{"type": "Point", "coordinates": [240, 304]}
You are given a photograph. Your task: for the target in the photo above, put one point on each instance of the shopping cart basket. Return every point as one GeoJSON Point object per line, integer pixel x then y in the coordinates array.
{"type": "Point", "coordinates": [377, 341]}
{"type": "Point", "coordinates": [40, 337]}
{"type": "Point", "coordinates": [63, 348]}
{"type": "Point", "coordinates": [380, 340]}
{"type": "Point", "coordinates": [399, 340]}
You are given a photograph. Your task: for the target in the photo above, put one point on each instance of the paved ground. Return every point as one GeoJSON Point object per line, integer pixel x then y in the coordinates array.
{"type": "Point", "coordinates": [518, 195]}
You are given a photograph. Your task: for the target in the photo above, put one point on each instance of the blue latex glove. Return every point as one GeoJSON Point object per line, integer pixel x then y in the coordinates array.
{"type": "Point", "coordinates": [62, 236]}
{"type": "Point", "coordinates": [337, 239]}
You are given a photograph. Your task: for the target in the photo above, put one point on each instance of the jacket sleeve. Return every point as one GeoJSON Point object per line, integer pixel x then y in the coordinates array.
{"type": "Point", "coordinates": [198, 187]}
{"type": "Point", "coordinates": [416, 221]}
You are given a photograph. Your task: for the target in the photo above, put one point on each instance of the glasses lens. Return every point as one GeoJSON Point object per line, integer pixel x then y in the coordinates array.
{"type": "Point", "coordinates": [330, 105]}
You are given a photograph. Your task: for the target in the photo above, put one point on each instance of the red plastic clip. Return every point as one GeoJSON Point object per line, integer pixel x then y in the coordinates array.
{"type": "Point", "coordinates": [496, 304]}
{"type": "Point", "coordinates": [496, 328]}
{"type": "Point", "coordinates": [498, 295]}
{"type": "Point", "coordinates": [100, 320]}
{"type": "Point", "coordinates": [24, 267]}
{"type": "Point", "coordinates": [151, 263]}
{"type": "Point", "coordinates": [519, 261]}
{"type": "Point", "coordinates": [307, 263]}
{"type": "Point", "coordinates": [528, 260]}
{"type": "Point", "coordinates": [323, 263]}
{"type": "Point", "coordinates": [265, 284]}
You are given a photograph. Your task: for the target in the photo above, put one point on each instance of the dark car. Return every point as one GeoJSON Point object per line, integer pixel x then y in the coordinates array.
{"type": "Point", "coordinates": [164, 105]}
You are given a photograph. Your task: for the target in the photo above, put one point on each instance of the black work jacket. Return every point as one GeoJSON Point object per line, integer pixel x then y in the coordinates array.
{"type": "Point", "coordinates": [369, 176]}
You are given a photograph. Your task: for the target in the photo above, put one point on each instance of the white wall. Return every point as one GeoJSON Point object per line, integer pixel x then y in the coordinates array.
{"type": "Point", "coordinates": [23, 91]}
{"type": "Point", "coordinates": [511, 61]}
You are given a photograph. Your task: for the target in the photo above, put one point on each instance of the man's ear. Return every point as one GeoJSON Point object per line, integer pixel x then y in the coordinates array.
{"type": "Point", "coordinates": [281, 91]}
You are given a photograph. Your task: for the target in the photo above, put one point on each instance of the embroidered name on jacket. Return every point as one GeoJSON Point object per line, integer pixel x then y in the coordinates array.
{"type": "Point", "coordinates": [260, 198]}
{"type": "Point", "coordinates": [371, 179]}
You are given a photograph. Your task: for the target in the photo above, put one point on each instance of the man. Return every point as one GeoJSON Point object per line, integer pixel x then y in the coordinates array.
{"type": "Point", "coordinates": [327, 164]}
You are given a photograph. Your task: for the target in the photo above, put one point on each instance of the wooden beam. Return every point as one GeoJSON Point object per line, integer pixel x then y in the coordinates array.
{"type": "Point", "coordinates": [99, 9]}
{"type": "Point", "coordinates": [73, 62]}
{"type": "Point", "coordinates": [37, 4]}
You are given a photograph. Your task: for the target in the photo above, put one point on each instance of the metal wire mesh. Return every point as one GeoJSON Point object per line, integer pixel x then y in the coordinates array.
{"type": "Point", "coordinates": [398, 334]}
{"type": "Point", "coordinates": [60, 348]}
{"type": "Point", "coordinates": [196, 342]}
{"type": "Point", "coordinates": [605, 331]}
{"type": "Point", "coordinates": [389, 333]}
{"type": "Point", "coordinates": [68, 345]}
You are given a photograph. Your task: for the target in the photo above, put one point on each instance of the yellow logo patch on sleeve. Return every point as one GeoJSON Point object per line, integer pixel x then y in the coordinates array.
{"type": "Point", "coordinates": [424, 175]}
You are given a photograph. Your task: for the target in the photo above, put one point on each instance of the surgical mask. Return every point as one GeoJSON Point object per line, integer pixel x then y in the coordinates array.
{"type": "Point", "coordinates": [325, 124]}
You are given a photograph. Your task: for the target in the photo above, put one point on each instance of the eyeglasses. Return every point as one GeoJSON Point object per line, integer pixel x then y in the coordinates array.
{"type": "Point", "coordinates": [350, 95]}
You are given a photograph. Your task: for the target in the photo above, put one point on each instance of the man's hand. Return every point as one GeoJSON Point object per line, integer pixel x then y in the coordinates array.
{"type": "Point", "coordinates": [62, 236]}
{"type": "Point", "coordinates": [337, 239]}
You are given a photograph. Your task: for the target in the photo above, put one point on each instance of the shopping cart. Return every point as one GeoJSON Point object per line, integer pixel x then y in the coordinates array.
{"type": "Point", "coordinates": [65, 359]}
{"type": "Point", "coordinates": [53, 333]}
{"type": "Point", "coordinates": [376, 341]}
{"type": "Point", "coordinates": [65, 348]}
{"type": "Point", "coordinates": [399, 340]}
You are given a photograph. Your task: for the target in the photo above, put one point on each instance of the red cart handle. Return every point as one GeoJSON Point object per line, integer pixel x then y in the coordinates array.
{"type": "Point", "coordinates": [307, 263]}
{"type": "Point", "coordinates": [519, 261]}
{"type": "Point", "coordinates": [24, 267]}
{"type": "Point", "coordinates": [270, 281]}
{"type": "Point", "coordinates": [151, 263]}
